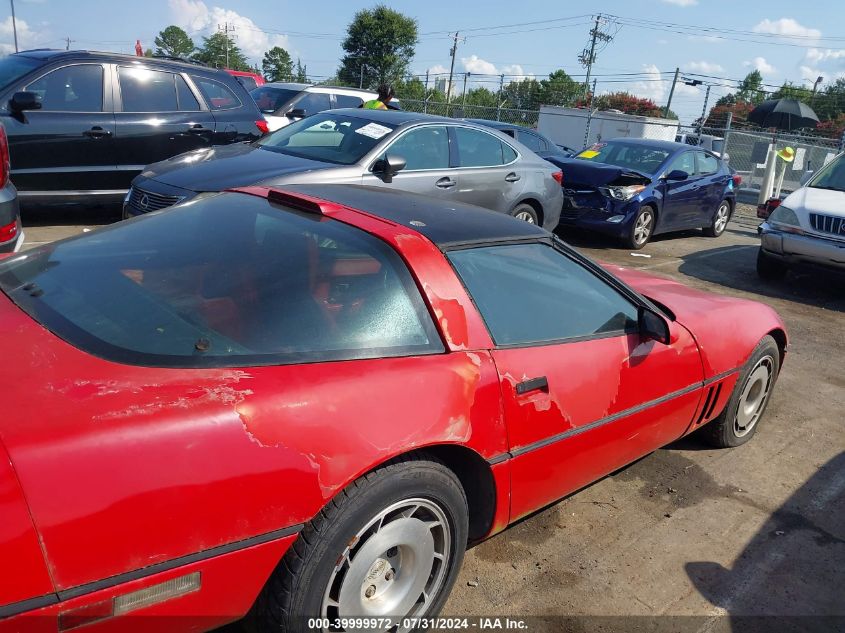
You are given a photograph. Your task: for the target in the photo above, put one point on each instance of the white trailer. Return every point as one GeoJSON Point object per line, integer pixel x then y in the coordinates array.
{"type": "Point", "coordinates": [569, 126]}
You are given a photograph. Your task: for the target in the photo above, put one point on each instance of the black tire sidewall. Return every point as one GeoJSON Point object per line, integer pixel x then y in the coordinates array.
{"type": "Point", "coordinates": [712, 231]}
{"type": "Point", "coordinates": [722, 428]}
{"type": "Point", "coordinates": [631, 242]}
{"type": "Point", "coordinates": [361, 502]}
{"type": "Point", "coordinates": [527, 208]}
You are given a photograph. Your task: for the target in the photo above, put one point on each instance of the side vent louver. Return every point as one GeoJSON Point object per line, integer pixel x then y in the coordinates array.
{"type": "Point", "coordinates": [709, 403]}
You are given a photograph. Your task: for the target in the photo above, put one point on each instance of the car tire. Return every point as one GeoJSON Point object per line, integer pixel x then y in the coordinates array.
{"type": "Point", "coordinates": [526, 213]}
{"type": "Point", "coordinates": [372, 527]}
{"type": "Point", "coordinates": [770, 268]}
{"type": "Point", "coordinates": [642, 228]}
{"type": "Point", "coordinates": [720, 220]}
{"type": "Point", "coordinates": [741, 416]}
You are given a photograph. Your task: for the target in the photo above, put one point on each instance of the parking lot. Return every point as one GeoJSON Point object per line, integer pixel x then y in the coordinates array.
{"type": "Point", "coordinates": [688, 530]}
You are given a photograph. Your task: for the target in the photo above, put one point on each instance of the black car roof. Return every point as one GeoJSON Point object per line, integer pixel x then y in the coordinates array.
{"type": "Point", "coordinates": [49, 54]}
{"type": "Point", "coordinates": [446, 224]}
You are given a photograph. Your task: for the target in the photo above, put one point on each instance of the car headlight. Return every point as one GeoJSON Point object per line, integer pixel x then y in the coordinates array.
{"type": "Point", "coordinates": [786, 218]}
{"type": "Point", "coordinates": [625, 193]}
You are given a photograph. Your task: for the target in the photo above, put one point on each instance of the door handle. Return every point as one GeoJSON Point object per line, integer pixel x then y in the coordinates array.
{"type": "Point", "coordinates": [445, 183]}
{"type": "Point", "coordinates": [541, 383]}
{"type": "Point", "coordinates": [512, 177]}
{"type": "Point", "coordinates": [96, 132]}
{"type": "Point", "coordinates": [198, 129]}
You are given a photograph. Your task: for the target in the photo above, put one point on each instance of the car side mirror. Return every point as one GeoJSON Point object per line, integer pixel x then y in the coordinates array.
{"type": "Point", "coordinates": [21, 101]}
{"type": "Point", "coordinates": [297, 113]}
{"type": "Point", "coordinates": [652, 326]}
{"type": "Point", "coordinates": [389, 166]}
{"type": "Point", "coordinates": [676, 174]}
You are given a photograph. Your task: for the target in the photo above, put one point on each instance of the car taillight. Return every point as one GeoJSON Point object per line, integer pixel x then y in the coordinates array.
{"type": "Point", "coordinates": [558, 176]}
{"type": "Point", "coordinates": [4, 157]}
{"type": "Point", "coordinates": [8, 232]}
{"type": "Point", "coordinates": [737, 180]}
{"type": "Point", "coordinates": [261, 124]}
{"type": "Point", "coordinates": [765, 210]}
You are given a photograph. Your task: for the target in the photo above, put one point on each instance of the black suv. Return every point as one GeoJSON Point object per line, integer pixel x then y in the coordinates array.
{"type": "Point", "coordinates": [82, 125]}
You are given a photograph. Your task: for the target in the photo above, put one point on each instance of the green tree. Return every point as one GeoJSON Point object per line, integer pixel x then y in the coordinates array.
{"type": "Point", "coordinates": [481, 97]}
{"type": "Point", "coordinates": [174, 42]}
{"type": "Point", "coordinates": [277, 65]}
{"type": "Point", "coordinates": [213, 53]}
{"type": "Point", "coordinates": [522, 95]}
{"type": "Point", "coordinates": [300, 73]}
{"type": "Point", "coordinates": [380, 41]}
{"type": "Point", "coordinates": [751, 88]}
{"type": "Point", "coordinates": [559, 89]}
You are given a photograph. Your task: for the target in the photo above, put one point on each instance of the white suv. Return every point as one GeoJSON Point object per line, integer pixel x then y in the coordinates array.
{"type": "Point", "coordinates": [808, 226]}
{"type": "Point", "coordinates": [283, 103]}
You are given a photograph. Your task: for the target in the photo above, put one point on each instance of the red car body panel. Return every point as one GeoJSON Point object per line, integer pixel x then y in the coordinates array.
{"type": "Point", "coordinates": [129, 469]}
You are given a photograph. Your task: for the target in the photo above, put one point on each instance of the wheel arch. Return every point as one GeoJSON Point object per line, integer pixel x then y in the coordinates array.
{"type": "Point", "coordinates": [780, 338]}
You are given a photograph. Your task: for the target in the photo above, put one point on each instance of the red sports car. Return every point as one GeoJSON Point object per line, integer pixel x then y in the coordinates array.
{"type": "Point", "coordinates": [303, 404]}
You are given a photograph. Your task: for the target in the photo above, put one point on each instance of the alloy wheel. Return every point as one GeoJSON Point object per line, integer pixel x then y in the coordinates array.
{"type": "Point", "coordinates": [643, 227]}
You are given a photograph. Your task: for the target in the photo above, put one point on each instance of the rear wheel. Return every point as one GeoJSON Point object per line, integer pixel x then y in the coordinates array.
{"type": "Point", "coordinates": [720, 220]}
{"type": "Point", "coordinates": [526, 213]}
{"type": "Point", "coordinates": [641, 229]}
{"type": "Point", "coordinates": [770, 268]}
{"type": "Point", "coordinates": [741, 416]}
{"type": "Point", "coordinates": [389, 545]}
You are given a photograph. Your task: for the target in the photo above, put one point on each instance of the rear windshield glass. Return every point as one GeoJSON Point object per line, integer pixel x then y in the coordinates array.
{"type": "Point", "coordinates": [227, 281]}
{"type": "Point", "coordinates": [634, 156]}
{"type": "Point", "coordinates": [269, 99]}
{"type": "Point", "coordinates": [328, 137]}
{"type": "Point", "coordinates": [13, 67]}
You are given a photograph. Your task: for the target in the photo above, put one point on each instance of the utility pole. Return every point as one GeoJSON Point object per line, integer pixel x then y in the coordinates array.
{"type": "Point", "coordinates": [425, 94]}
{"type": "Point", "coordinates": [14, 25]}
{"type": "Point", "coordinates": [588, 57]}
{"type": "Point", "coordinates": [226, 29]}
{"type": "Point", "coordinates": [590, 115]}
{"type": "Point", "coordinates": [499, 97]}
{"type": "Point", "coordinates": [671, 92]}
{"type": "Point", "coordinates": [704, 110]}
{"type": "Point", "coordinates": [67, 43]}
{"type": "Point", "coordinates": [452, 52]}
{"type": "Point", "coordinates": [466, 76]}
{"type": "Point", "coordinates": [815, 87]}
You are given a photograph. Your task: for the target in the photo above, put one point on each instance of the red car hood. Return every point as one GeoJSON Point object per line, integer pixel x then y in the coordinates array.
{"type": "Point", "coordinates": [726, 328]}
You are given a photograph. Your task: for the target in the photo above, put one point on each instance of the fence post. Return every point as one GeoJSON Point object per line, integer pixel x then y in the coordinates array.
{"type": "Point", "coordinates": [727, 135]}
{"type": "Point", "coordinates": [499, 98]}
{"type": "Point", "coordinates": [425, 94]}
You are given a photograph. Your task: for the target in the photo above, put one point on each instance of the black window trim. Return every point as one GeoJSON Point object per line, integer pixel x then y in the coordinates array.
{"type": "Point", "coordinates": [108, 100]}
{"type": "Point", "coordinates": [628, 293]}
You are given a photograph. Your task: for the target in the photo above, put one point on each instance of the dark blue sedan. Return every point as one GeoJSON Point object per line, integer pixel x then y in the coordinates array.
{"type": "Point", "coordinates": [633, 189]}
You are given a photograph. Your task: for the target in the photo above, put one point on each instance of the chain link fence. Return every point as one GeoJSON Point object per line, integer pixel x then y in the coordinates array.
{"type": "Point", "coordinates": [457, 110]}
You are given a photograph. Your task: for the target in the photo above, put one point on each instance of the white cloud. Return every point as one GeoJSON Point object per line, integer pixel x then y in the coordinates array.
{"type": "Point", "coordinates": [651, 87]}
{"type": "Point", "coordinates": [197, 18]}
{"type": "Point", "coordinates": [475, 64]}
{"type": "Point", "coordinates": [816, 56]}
{"type": "Point", "coordinates": [810, 74]}
{"type": "Point", "coordinates": [27, 37]}
{"type": "Point", "coordinates": [703, 67]}
{"type": "Point", "coordinates": [760, 63]}
{"type": "Point", "coordinates": [439, 69]}
{"type": "Point", "coordinates": [787, 27]}
{"type": "Point", "coordinates": [682, 3]}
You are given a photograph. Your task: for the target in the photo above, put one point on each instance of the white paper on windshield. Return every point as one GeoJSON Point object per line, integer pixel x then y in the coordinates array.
{"type": "Point", "coordinates": [373, 130]}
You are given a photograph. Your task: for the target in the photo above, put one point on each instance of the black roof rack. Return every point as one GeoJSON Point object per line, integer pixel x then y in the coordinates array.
{"type": "Point", "coordinates": [176, 58]}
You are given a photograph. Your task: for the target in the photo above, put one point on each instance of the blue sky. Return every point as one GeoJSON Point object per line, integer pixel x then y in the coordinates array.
{"type": "Point", "coordinates": [785, 40]}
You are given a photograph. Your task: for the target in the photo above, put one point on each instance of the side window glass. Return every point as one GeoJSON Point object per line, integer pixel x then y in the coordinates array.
{"type": "Point", "coordinates": [144, 90]}
{"type": "Point", "coordinates": [532, 293]}
{"type": "Point", "coordinates": [423, 148]}
{"type": "Point", "coordinates": [348, 101]}
{"type": "Point", "coordinates": [531, 141]}
{"type": "Point", "coordinates": [247, 82]}
{"type": "Point", "coordinates": [187, 101]}
{"type": "Point", "coordinates": [71, 89]}
{"type": "Point", "coordinates": [707, 164]}
{"type": "Point", "coordinates": [218, 96]}
{"type": "Point", "coordinates": [684, 162]}
{"type": "Point", "coordinates": [314, 102]}
{"type": "Point", "coordinates": [478, 149]}
{"type": "Point", "coordinates": [508, 154]}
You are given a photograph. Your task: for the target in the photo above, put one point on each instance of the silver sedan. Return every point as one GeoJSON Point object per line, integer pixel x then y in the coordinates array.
{"type": "Point", "coordinates": [444, 158]}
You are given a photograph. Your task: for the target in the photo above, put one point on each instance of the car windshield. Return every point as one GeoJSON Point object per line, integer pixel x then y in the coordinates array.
{"type": "Point", "coordinates": [831, 176]}
{"type": "Point", "coordinates": [227, 281]}
{"type": "Point", "coordinates": [269, 99]}
{"type": "Point", "coordinates": [635, 156]}
{"type": "Point", "coordinates": [13, 67]}
{"type": "Point", "coordinates": [327, 137]}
